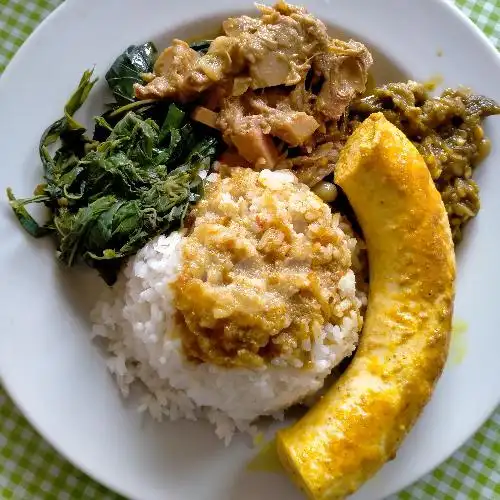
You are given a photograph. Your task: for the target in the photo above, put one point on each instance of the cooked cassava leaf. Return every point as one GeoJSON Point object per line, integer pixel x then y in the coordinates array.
{"type": "Point", "coordinates": [70, 132]}
{"type": "Point", "coordinates": [201, 46]}
{"type": "Point", "coordinates": [127, 70]}
{"type": "Point", "coordinates": [109, 195]}
{"type": "Point", "coordinates": [25, 219]}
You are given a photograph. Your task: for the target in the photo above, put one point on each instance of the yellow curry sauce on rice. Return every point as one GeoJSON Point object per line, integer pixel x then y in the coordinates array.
{"type": "Point", "coordinates": [266, 265]}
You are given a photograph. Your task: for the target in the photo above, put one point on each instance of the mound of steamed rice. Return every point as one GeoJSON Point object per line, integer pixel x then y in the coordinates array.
{"type": "Point", "coordinates": [135, 319]}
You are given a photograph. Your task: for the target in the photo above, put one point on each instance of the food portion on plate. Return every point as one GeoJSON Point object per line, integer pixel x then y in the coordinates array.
{"type": "Point", "coordinates": [447, 132]}
{"type": "Point", "coordinates": [109, 194]}
{"type": "Point", "coordinates": [256, 207]}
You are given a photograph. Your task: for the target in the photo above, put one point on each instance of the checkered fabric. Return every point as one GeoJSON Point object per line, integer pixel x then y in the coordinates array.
{"type": "Point", "coordinates": [31, 469]}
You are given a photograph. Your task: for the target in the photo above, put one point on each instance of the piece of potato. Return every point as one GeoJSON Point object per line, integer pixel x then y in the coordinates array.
{"type": "Point", "coordinates": [294, 127]}
{"type": "Point", "coordinates": [205, 116]}
{"type": "Point", "coordinates": [256, 147]}
{"type": "Point", "coordinates": [359, 424]}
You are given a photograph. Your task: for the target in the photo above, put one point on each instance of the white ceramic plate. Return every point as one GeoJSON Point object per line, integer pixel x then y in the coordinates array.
{"type": "Point", "coordinates": [57, 376]}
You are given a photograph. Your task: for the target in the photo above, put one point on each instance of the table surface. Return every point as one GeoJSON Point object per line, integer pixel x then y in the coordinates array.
{"type": "Point", "coordinates": [31, 469]}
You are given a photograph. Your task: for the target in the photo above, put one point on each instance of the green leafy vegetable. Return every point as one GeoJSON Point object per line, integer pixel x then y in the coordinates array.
{"type": "Point", "coordinates": [108, 196]}
{"type": "Point", "coordinates": [127, 70]}
{"type": "Point", "coordinates": [201, 46]}
{"type": "Point", "coordinates": [28, 223]}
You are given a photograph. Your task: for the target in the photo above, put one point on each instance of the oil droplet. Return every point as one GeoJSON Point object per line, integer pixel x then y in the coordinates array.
{"type": "Point", "coordinates": [266, 459]}
{"type": "Point", "coordinates": [433, 82]}
{"type": "Point", "coordinates": [458, 347]}
{"type": "Point", "coordinates": [258, 439]}
{"type": "Point", "coordinates": [459, 326]}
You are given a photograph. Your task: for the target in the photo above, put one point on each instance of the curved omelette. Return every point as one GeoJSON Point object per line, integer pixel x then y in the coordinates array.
{"type": "Point", "coordinates": [359, 424]}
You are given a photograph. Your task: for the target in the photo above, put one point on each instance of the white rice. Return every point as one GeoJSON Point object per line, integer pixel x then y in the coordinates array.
{"type": "Point", "coordinates": [135, 319]}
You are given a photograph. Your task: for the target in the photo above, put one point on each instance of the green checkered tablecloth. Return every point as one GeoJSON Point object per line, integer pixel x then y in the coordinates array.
{"type": "Point", "coordinates": [31, 469]}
